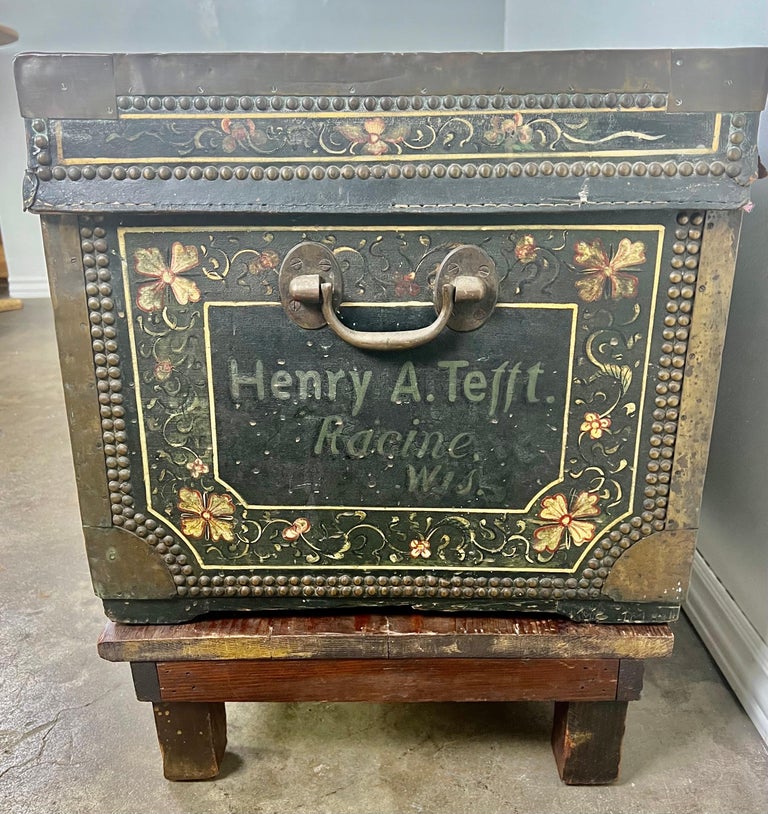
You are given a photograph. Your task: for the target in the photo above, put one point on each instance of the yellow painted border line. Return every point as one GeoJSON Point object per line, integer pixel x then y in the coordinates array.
{"type": "Point", "coordinates": [122, 231]}
{"type": "Point", "coordinates": [392, 158]}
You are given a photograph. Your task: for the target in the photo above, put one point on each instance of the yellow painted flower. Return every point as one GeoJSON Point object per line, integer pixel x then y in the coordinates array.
{"type": "Point", "coordinates": [150, 263]}
{"type": "Point", "coordinates": [510, 130]}
{"type": "Point", "coordinates": [568, 522]}
{"type": "Point", "coordinates": [601, 271]}
{"type": "Point", "coordinates": [206, 515]}
{"type": "Point", "coordinates": [595, 424]}
{"type": "Point", "coordinates": [375, 136]}
{"type": "Point", "coordinates": [526, 249]}
{"type": "Point", "coordinates": [299, 526]}
{"type": "Point", "coordinates": [420, 548]}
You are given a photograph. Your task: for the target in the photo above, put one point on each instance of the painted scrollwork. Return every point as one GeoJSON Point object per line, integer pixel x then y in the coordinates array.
{"type": "Point", "coordinates": [169, 287]}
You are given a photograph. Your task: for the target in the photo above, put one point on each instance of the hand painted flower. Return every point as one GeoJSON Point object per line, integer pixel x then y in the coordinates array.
{"type": "Point", "coordinates": [375, 137]}
{"type": "Point", "coordinates": [197, 467]}
{"type": "Point", "coordinates": [406, 287]}
{"type": "Point", "coordinates": [299, 526]}
{"type": "Point", "coordinates": [595, 424]}
{"type": "Point", "coordinates": [163, 370]}
{"type": "Point", "coordinates": [206, 515]}
{"type": "Point", "coordinates": [150, 263]}
{"type": "Point", "coordinates": [241, 132]}
{"type": "Point", "coordinates": [510, 129]}
{"type": "Point", "coordinates": [264, 261]}
{"type": "Point", "coordinates": [568, 521]}
{"type": "Point", "coordinates": [420, 548]}
{"type": "Point", "coordinates": [601, 271]}
{"type": "Point", "coordinates": [526, 249]}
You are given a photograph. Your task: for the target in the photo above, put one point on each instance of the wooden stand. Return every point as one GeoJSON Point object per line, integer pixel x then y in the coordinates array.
{"type": "Point", "coordinates": [189, 671]}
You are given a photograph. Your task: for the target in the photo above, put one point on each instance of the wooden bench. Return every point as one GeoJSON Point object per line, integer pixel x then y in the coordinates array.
{"type": "Point", "coordinates": [189, 671]}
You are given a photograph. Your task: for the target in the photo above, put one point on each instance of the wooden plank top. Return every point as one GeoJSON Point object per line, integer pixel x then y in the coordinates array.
{"type": "Point", "coordinates": [383, 636]}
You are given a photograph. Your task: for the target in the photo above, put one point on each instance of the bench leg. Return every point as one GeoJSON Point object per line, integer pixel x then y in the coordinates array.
{"type": "Point", "coordinates": [192, 738]}
{"type": "Point", "coordinates": [586, 740]}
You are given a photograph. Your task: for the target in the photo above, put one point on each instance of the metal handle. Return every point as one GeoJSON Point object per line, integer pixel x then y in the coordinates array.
{"type": "Point", "coordinates": [311, 289]}
{"type": "Point", "coordinates": [387, 340]}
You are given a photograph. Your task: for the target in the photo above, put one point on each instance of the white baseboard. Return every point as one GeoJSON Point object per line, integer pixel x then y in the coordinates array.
{"type": "Point", "coordinates": [735, 645]}
{"type": "Point", "coordinates": [30, 289]}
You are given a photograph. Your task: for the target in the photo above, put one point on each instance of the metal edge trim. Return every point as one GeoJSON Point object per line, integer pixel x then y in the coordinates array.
{"type": "Point", "coordinates": [702, 369]}
{"type": "Point", "coordinates": [392, 73]}
{"type": "Point", "coordinates": [61, 242]}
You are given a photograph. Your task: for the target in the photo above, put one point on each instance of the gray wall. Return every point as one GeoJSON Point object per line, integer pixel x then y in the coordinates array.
{"type": "Point", "coordinates": [734, 524]}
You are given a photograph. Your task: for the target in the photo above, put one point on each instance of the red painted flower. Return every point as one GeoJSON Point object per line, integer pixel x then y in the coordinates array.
{"type": "Point", "coordinates": [526, 249]}
{"type": "Point", "coordinates": [375, 136]}
{"type": "Point", "coordinates": [197, 467]}
{"type": "Point", "coordinates": [267, 260]}
{"type": "Point", "coordinates": [299, 526]}
{"type": "Point", "coordinates": [406, 286]}
{"type": "Point", "coordinates": [568, 522]}
{"type": "Point", "coordinates": [150, 263]}
{"type": "Point", "coordinates": [206, 515]}
{"type": "Point", "coordinates": [241, 132]}
{"type": "Point", "coordinates": [163, 369]}
{"type": "Point", "coordinates": [420, 548]}
{"type": "Point", "coordinates": [595, 425]}
{"type": "Point", "coordinates": [601, 271]}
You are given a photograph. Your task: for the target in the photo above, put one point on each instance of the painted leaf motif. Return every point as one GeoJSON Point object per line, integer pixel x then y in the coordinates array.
{"type": "Point", "coordinates": [628, 254]}
{"type": "Point", "coordinates": [580, 531]}
{"type": "Point", "coordinates": [622, 373]}
{"type": "Point", "coordinates": [585, 505]}
{"type": "Point", "coordinates": [185, 291]}
{"type": "Point", "coordinates": [220, 505]}
{"type": "Point", "coordinates": [623, 285]}
{"type": "Point", "coordinates": [353, 132]}
{"type": "Point", "coordinates": [183, 258]}
{"type": "Point", "coordinates": [190, 500]}
{"type": "Point", "coordinates": [547, 538]}
{"type": "Point", "coordinates": [590, 286]}
{"type": "Point", "coordinates": [590, 256]}
{"type": "Point", "coordinates": [553, 507]}
{"type": "Point", "coordinates": [220, 529]}
{"type": "Point", "coordinates": [149, 262]}
{"type": "Point", "coordinates": [397, 132]}
{"type": "Point", "coordinates": [150, 297]}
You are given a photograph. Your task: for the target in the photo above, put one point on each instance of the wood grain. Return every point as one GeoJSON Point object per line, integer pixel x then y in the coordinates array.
{"type": "Point", "coordinates": [192, 738]}
{"type": "Point", "coordinates": [586, 740]}
{"type": "Point", "coordinates": [383, 636]}
{"type": "Point", "coordinates": [379, 680]}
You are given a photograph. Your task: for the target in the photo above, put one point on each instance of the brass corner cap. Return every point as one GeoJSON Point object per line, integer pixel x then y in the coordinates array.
{"type": "Point", "coordinates": [655, 569]}
{"type": "Point", "coordinates": [124, 566]}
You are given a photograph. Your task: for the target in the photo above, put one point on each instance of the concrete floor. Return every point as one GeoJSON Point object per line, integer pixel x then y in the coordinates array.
{"type": "Point", "coordinates": [74, 739]}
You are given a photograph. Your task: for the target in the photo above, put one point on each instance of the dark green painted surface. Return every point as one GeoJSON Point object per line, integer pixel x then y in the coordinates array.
{"type": "Point", "coordinates": [457, 475]}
